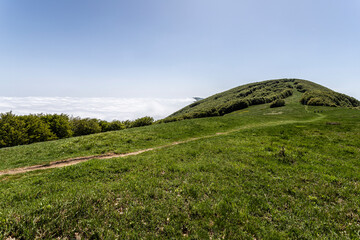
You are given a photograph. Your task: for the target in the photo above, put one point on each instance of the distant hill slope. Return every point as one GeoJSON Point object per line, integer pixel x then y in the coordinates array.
{"type": "Point", "coordinates": [260, 93]}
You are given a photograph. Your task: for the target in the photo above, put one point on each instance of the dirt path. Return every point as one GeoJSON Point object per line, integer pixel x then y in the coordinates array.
{"type": "Point", "coordinates": [73, 161]}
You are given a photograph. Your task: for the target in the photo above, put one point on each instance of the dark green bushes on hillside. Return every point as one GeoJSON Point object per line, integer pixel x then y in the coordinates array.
{"type": "Point", "coordinates": [277, 103]}
{"type": "Point", "coordinates": [253, 95]}
{"type": "Point", "coordinates": [111, 126]}
{"type": "Point", "coordinates": [246, 95]}
{"type": "Point", "coordinates": [144, 121]}
{"type": "Point", "coordinates": [18, 130]}
{"type": "Point", "coordinates": [85, 126]}
{"type": "Point", "coordinates": [328, 98]}
{"type": "Point", "coordinates": [232, 106]}
{"type": "Point", "coordinates": [300, 88]}
{"type": "Point", "coordinates": [12, 130]}
{"type": "Point", "coordinates": [59, 124]}
{"type": "Point", "coordinates": [236, 99]}
{"type": "Point", "coordinates": [36, 129]}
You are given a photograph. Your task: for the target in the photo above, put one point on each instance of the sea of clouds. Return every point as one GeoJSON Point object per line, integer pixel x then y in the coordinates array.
{"type": "Point", "coordinates": [101, 108]}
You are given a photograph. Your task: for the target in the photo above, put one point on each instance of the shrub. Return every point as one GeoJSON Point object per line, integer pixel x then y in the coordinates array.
{"type": "Point", "coordinates": [328, 98]}
{"type": "Point", "coordinates": [142, 122]}
{"type": "Point", "coordinates": [194, 104]}
{"type": "Point", "coordinates": [104, 125]}
{"type": "Point", "coordinates": [257, 101]}
{"type": "Point", "coordinates": [300, 88]}
{"type": "Point", "coordinates": [111, 126]}
{"type": "Point", "coordinates": [19, 130]}
{"type": "Point", "coordinates": [277, 103]}
{"type": "Point", "coordinates": [36, 129]}
{"type": "Point", "coordinates": [116, 125]}
{"type": "Point", "coordinates": [286, 93]}
{"type": "Point", "coordinates": [317, 101]}
{"type": "Point", "coordinates": [59, 124]}
{"type": "Point", "coordinates": [228, 108]}
{"type": "Point", "coordinates": [85, 126]}
{"type": "Point", "coordinates": [169, 119]}
{"type": "Point", "coordinates": [127, 123]}
{"type": "Point", "coordinates": [12, 130]}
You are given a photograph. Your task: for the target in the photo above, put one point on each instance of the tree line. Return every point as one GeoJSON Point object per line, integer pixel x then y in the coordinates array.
{"type": "Point", "coordinates": [19, 130]}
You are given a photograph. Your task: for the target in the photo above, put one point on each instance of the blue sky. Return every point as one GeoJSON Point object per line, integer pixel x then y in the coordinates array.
{"type": "Point", "coordinates": [174, 48]}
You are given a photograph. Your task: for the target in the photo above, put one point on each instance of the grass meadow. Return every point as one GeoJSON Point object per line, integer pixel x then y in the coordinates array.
{"type": "Point", "coordinates": [283, 173]}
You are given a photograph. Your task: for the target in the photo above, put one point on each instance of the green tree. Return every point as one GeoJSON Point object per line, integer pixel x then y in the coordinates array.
{"type": "Point", "coordinates": [37, 130]}
{"type": "Point", "coordinates": [12, 130]}
{"type": "Point", "coordinates": [59, 124]}
{"type": "Point", "coordinates": [85, 126]}
{"type": "Point", "coordinates": [142, 122]}
{"type": "Point", "coordinates": [111, 126]}
{"type": "Point", "coordinates": [116, 125]}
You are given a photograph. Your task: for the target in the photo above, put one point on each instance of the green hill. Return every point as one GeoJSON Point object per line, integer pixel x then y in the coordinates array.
{"type": "Point", "coordinates": [258, 173]}
{"type": "Point", "coordinates": [260, 93]}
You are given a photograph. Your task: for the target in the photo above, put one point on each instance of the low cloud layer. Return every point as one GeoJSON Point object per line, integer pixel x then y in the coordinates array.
{"type": "Point", "coordinates": [102, 108]}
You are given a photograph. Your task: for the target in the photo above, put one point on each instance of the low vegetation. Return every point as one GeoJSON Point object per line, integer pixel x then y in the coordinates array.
{"type": "Point", "coordinates": [236, 99]}
{"type": "Point", "coordinates": [250, 174]}
{"type": "Point", "coordinates": [289, 176]}
{"type": "Point", "coordinates": [19, 130]}
{"type": "Point", "coordinates": [328, 98]}
{"type": "Point", "coordinates": [277, 103]}
{"type": "Point", "coordinates": [261, 93]}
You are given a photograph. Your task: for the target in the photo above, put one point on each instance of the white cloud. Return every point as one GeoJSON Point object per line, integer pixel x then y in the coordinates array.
{"type": "Point", "coordinates": [102, 108]}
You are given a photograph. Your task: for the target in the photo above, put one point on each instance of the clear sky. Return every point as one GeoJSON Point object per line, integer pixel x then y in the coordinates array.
{"type": "Point", "coordinates": [174, 48]}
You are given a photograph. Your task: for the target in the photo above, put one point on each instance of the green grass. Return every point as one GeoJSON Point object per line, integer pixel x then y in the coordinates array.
{"type": "Point", "coordinates": [243, 96]}
{"type": "Point", "coordinates": [258, 93]}
{"type": "Point", "coordinates": [288, 175]}
{"type": "Point", "coordinates": [130, 140]}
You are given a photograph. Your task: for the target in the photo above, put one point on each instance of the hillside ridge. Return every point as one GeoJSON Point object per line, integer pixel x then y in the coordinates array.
{"type": "Point", "coordinates": [255, 173]}
{"type": "Point", "coordinates": [73, 161]}
{"type": "Point", "coordinates": [263, 92]}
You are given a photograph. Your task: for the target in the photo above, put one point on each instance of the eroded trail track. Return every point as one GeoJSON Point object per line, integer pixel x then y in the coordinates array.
{"type": "Point", "coordinates": [73, 161]}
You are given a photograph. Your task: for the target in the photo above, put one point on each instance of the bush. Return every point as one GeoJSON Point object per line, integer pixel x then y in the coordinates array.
{"type": "Point", "coordinates": [317, 102]}
{"type": "Point", "coordinates": [144, 121]}
{"type": "Point", "coordinates": [277, 103]}
{"type": "Point", "coordinates": [36, 129]}
{"type": "Point", "coordinates": [229, 107]}
{"type": "Point", "coordinates": [12, 130]}
{"type": "Point", "coordinates": [59, 124]}
{"type": "Point", "coordinates": [286, 93]}
{"type": "Point", "coordinates": [328, 98]}
{"type": "Point", "coordinates": [300, 88]}
{"type": "Point", "coordinates": [19, 130]}
{"type": "Point", "coordinates": [111, 126]}
{"type": "Point", "coordinates": [85, 126]}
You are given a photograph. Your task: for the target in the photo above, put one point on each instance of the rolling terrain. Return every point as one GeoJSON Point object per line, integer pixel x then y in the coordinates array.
{"type": "Point", "coordinates": [263, 92]}
{"type": "Point", "coordinates": [250, 173]}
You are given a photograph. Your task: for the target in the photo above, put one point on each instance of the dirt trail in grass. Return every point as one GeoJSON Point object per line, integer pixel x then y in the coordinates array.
{"type": "Point", "coordinates": [73, 161]}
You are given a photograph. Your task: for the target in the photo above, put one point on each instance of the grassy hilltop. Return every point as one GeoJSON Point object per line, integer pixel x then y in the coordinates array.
{"type": "Point", "coordinates": [263, 92]}
{"type": "Point", "coordinates": [291, 172]}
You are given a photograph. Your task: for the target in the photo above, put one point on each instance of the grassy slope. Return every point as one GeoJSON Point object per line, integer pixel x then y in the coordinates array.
{"type": "Point", "coordinates": [260, 92]}
{"type": "Point", "coordinates": [285, 176]}
{"type": "Point", "coordinates": [139, 138]}
{"type": "Point", "coordinates": [248, 91]}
